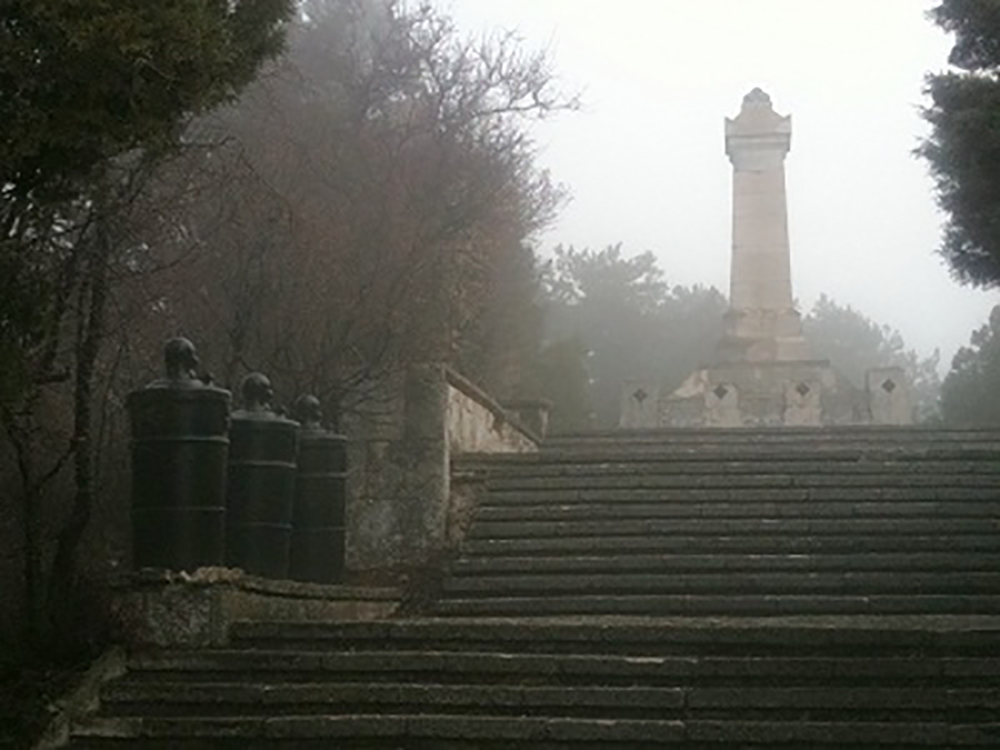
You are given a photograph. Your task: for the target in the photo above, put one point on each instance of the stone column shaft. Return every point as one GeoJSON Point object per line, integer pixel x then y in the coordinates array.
{"type": "Point", "coordinates": [762, 323]}
{"type": "Point", "coordinates": [761, 272]}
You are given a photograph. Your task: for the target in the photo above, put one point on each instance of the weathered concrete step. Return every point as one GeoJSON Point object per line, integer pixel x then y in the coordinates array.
{"type": "Point", "coordinates": [640, 480]}
{"type": "Point", "coordinates": [289, 666]}
{"type": "Point", "coordinates": [731, 581]}
{"type": "Point", "coordinates": [724, 464]}
{"type": "Point", "coordinates": [207, 700]}
{"type": "Point", "coordinates": [609, 450]}
{"type": "Point", "coordinates": [797, 435]}
{"type": "Point", "coordinates": [879, 637]}
{"type": "Point", "coordinates": [572, 732]}
{"type": "Point", "coordinates": [396, 726]}
{"type": "Point", "coordinates": [886, 527]}
{"type": "Point", "coordinates": [276, 699]}
{"type": "Point", "coordinates": [663, 563]}
{"type": "Point", "coordinates": [286, 666]}
{"type": "Point", "coordinates": [722, 605]}
{"type": "Point", "coordinates": [753, 544]}
{"type": "Point", "coordinates": [500, 498]}
{"type": "Point", "coordinates": [789, 509]}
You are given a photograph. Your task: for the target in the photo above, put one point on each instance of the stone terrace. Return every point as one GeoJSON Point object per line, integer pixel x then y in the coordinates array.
{"type": "Point", "coordinates": [717, 589]}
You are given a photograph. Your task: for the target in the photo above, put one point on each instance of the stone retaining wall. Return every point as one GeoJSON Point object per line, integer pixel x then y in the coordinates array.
{"type": "Point", "coordinates": [400, 512]}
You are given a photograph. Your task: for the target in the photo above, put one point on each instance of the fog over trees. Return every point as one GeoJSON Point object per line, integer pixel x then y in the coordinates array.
{"type": "Point", "coordinates": [365, 203]}
{"type": "Point", "coordinates": [91, 104]}
{"type": "Point", "coordinates": [611, 317]}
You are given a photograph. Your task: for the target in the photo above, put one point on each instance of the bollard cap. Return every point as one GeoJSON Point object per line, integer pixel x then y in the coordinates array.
{"type": "Point", "coordinates": [309, 413]}
{"type": "Point", "coordinates": [258, 393]}
{"type": "Point", "coordinates": [180, 359]}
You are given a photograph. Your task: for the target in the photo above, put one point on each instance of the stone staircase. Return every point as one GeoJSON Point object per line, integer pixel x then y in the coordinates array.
{"type": "Point", "coordinates": [793, 589]}
{"type": "Point", "coordinates": [810, 522]}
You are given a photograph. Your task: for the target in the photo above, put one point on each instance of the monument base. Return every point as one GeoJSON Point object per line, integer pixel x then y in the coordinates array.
{"type": "Point", "coordinates": [803, 393]}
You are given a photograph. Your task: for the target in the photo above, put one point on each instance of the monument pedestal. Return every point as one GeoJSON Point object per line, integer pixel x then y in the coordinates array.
{"type": "Point", "coordinates": [765, 375]}
{"type": "Point", "coordinates": [804, 393]}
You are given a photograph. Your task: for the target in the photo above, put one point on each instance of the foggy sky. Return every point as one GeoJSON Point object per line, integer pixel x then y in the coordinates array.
{"type": "Point", "coordinates": [645, 160]}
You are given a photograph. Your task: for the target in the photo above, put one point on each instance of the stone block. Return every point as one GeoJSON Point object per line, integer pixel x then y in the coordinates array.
{"type": "Point", "coordinates": [640, 405]}
{"type": "Point", "coordinates": [181, 610]}
{"type": "Point", "coordinates": [889, 396]}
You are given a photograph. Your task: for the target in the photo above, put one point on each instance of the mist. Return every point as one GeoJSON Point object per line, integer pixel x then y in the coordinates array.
{"type": "Point", "coordinates": [644, 159]}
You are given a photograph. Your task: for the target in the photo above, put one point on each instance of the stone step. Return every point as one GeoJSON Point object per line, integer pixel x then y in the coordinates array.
{"type": "Point", "coordinates": [542, 496]}
{"type": "Point", "coordinates": [639, 480]}
{"type": "Point", "coordinates": [723, 464]}
{"type": "Point", "coordinates": [876, 638]}
{"type": "Point", "coordinates": [747, 509]}
{"type": "Point", "coordinates": [730, 581]}
{"type": "Point", "coordinates": [751, 544]}
{"type": "Point", "coordinates": [507, 732]}
{"type": "Point", "coordinates": [667, 563]}
{"type": "Point", "coordinates": [168, 699]}
{"type": "Point", "coordinates": [881, 527]}
{"type": "Point", "coordinates": [796, 435]}
{"type": "Point", "coordinates": [386, 665]}
{"type": "Point", "coordinates": [295, 731]}
{"type": "Point", "coordinates": [277, 699]}
{"type": "Point", "coordinates": [718, 605]}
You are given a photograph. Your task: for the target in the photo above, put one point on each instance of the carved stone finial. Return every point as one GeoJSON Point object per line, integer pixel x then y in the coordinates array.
{"type": "Point", "coordinates": [181, 360]}
{"type": "Point", "coordinates": [308, 411]}
{"type": "Point", "coordinates": [757, 98]}
{"type": "Point", "coordinates": [257, 392]}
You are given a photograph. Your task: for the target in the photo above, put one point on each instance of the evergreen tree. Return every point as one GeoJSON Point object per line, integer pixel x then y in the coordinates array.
{"type": "Point", "coordinates": [970, 394]}
{"type": "Point", "coordinates": [964, 146]}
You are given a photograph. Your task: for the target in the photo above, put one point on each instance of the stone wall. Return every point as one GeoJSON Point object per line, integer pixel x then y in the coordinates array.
{"type": "Point", "coordinates": [809, 393]}
{"type": "Point", "coordinates": [478, 424]}
{"type": "Point", "coordinates": [180, 610]}
{"type": "Point", "coordinates": [400, 512]}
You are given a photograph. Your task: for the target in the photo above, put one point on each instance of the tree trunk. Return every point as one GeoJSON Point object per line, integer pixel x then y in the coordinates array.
{"type": "Point", "coordinates": [93, 296]}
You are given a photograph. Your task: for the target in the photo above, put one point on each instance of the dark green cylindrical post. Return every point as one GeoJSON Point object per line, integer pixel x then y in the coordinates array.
{"type": "Point", "coordinates": [262, 459]}
{"type": "Point", "coordinates": [318, 527]}
{"type": "Point", "coordinates": [179, 451]}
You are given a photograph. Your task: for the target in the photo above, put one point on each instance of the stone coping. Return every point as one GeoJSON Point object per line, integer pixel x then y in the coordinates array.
{"type": "Point", "coordinates": [477, 394]}
{"type": "Point", "coordinates": [149, 578]}
{"type": "Point", "coordinates": [914, 623]}
{"type": "Point", "coordinates": [163, 608]}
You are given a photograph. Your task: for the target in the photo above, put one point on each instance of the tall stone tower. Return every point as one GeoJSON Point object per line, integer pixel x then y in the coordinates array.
{"type": "Point", "coordinates": [763, 374]}
{"type": "Point", "coordinates": [762, 324]}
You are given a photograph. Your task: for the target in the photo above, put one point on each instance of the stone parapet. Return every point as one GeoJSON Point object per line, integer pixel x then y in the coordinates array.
{"type": "Point", "coordinates": [181, 610]}
{"type": "Point", "coordinates": [401, 512]}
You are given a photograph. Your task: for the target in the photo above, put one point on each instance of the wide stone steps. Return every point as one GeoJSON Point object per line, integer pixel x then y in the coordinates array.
{"type": "Point", "coordinates": [712, 589]}
{"type": "Point", "coordinates": [649, 511]}
{"type": "Point", "coordinates": [811, 438]}
{"type": "Point", "coordinates": [749, 522]}
{"type": "Point", "coordinates": [441, 683]}
{"type": "Point", "coordinates": [667, 563]}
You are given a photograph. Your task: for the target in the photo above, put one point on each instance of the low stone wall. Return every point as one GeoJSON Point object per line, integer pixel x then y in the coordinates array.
{"type": "Point", "coordinates": [400, 512]}
{"type": "Point", "coordinates": [770, 394]}
{"type": "Point", "coordinates": [478, 424]}
{"type": "Point", "coordinates": [181, 610]}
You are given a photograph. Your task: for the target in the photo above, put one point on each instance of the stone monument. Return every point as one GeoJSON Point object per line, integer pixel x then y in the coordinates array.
{"type": "Point", "coordinates": [762, 324]}
{"type": "Point", "coordinates": [763, 373]}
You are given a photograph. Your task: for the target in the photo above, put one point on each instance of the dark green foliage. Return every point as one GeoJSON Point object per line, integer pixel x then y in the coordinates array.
{"type": "Point", "coordinates": [83, 81]}
{"type": "Point", "coordinates": [854, 344]}
{"type": "Point", "coordinates": [94, 94]}
{"type": "Point", "coordinates": [970, 394]}
{"type": "Point", "coordinates": [559, 372]}
{"type": "Point", "coordinates": [964, 146]}
{"type": "Point", "coordinates": [631, 322]}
